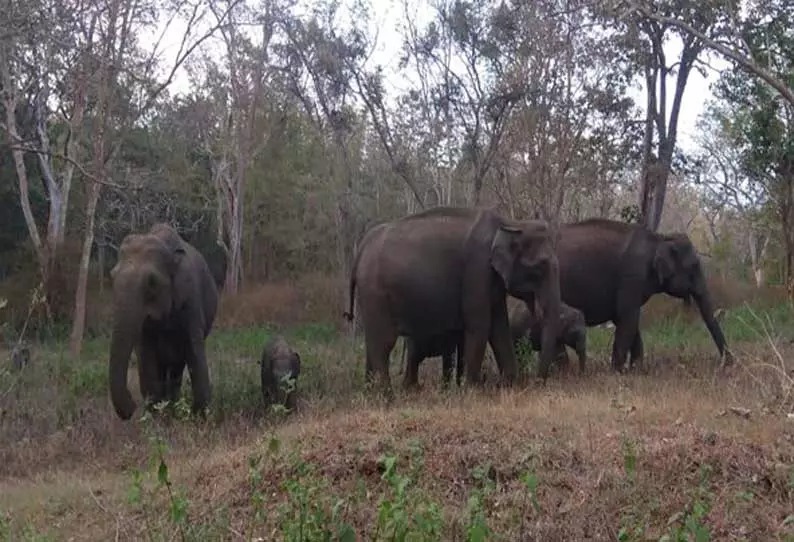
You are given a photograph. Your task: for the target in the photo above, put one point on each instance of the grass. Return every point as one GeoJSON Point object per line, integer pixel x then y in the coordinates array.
{"type": "Point", "coordinates": [658, 455]}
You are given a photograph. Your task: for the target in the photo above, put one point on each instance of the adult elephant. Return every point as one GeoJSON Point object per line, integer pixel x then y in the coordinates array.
{"type": "Point", "coordinates": [164, 304]}
{"type": "Point", "coordinates": [609, 269]}
{"type": "Point", "coordinates": [448, 270]}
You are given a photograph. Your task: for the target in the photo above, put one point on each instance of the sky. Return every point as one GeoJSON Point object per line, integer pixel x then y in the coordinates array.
{"type": "Point", "coordinates": [387, 16]}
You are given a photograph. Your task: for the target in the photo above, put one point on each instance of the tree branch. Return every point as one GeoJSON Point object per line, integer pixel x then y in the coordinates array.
{"type": "Point", "coordinates": [748, 63]}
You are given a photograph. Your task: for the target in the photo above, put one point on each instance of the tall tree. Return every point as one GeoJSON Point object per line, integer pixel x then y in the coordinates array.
{"type": "Point", "coordinates": [648, 38]}
{"type": "Point", "coordinates": [761, 122]}
{"type": "Point", "coordinates": [46, 64]}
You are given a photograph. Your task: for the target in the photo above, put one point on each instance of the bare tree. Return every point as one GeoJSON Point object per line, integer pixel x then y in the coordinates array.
{"type": "Point", "coordinates": [42, 64]}
{"type": "Point", "coordinates": [118, 55]}
{"type": "Point", "coordinates": [733, 46]}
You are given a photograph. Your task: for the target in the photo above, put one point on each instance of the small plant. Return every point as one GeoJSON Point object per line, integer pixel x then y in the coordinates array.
{"type": "Point", "coordinates": [530, 481]}
{"type": "Point", "coordinates": [629, 458]}
{"type": "Point", "coordinates": [689, 525]}
{"type": "Point", "coordinates": [477, 528]}
{"type": "Point", "coordinates": [138, 494]}
{"type": "Point", "coordinates": [408, 514]}
{"type": "Point", "coordinates": [309, 514]}
{"type": "Point", "coordinates": [5, 521]}
{"type": "Point", "coordinates": [524, 356]}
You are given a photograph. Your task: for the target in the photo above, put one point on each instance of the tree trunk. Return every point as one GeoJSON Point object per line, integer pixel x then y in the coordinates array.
{"type": "Point", "coordinates": [757, 255]}
{"type": "Point", "coordinates": [78, 322]}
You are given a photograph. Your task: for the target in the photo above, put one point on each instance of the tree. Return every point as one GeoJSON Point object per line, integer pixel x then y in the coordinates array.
{"type": "Point", "coordinates": [45, 69]}
{"type": "Point", "coordinates": [122, 69]}
{"type": "Point", "coordinates": [759, 120]}
{"type": "Point", "coordinates": [733, 45]}
{"type": "Point", "coordinates": [646, 38]}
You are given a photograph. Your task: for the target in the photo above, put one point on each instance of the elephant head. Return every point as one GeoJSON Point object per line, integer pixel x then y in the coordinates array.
{"type": "Point", "coordinates": [523, 255]}
{"type": "Point", "coordinates": [679, 274]}
{"type": "Point", "coordinates": [143, 289]}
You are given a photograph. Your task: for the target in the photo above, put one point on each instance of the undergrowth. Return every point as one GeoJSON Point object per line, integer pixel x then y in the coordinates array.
{"type": "Point", "coordinates": [290, 494]}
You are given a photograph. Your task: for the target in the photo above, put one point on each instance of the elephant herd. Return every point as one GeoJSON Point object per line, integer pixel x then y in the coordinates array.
{"type": "Point", "coordinates": [442, 279]}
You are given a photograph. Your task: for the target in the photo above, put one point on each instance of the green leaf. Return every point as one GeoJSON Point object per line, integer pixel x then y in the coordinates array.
{"type": "Point", "coordinates": [346, 533]}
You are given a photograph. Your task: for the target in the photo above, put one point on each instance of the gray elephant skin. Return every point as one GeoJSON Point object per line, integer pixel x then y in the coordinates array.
{"type": "Point", "coordinates": [164, 305]}
{"type": "Point", "coordinates": [278, 363]}
{"type": "Point", "coordinates": [449, 346]}
{"type": "Point", "coordinates": [448, 270]}
{"type": "Point", "coordinates": [609, 270]}
{"type": "Point", "coordinates": [572, 331]}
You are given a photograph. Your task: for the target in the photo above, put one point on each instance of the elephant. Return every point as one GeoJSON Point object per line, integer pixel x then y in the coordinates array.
{"type": "Point", "coordinates": [279, 362]}
{"type": "Point", "coordinates": [164, 305]}
{"type": "Point", "coordinates": [572, 331]}
{"type": "Point", "coordinates": [609, 270]}
{"type": "Point", "coordinates": [448, 270]}
{"type": "Point", "coordinates": [448, 345]}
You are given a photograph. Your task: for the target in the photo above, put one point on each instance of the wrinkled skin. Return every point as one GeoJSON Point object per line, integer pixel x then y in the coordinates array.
{"type": "Point", "coordinates": [449, 346]}
{"type": "Point", "coordinates": [572, 331]}
{"type": "Point", "coordinates": [448, 270]}
{"type": "Point", "coordinates": [279, 361]}
{"type": "Point", "coordinates": [164, 305]}
{"type": "Point", "coordinates": [609, 269]}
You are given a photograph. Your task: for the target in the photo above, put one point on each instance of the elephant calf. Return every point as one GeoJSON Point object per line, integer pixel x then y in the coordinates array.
{"type": "Point", "coordinates": [279, 364]}
{"type": "Point", "coordinates": [448, 345]}
{"type": "Point", "coordinates": [572, 331]}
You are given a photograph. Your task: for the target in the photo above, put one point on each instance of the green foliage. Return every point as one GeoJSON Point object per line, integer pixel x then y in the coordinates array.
{"type": "Point", "coordinates": [406, 514]}
{"type": "Point", "coordinates": [689, 525]}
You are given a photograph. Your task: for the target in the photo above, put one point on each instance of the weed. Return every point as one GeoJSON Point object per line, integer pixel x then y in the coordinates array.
{"type": "Point", "coordinates": [629, 458]}
{"type": "Point", "coordinates": [689, 525]}
{"type": "Point", "coordinates": [406, 514]}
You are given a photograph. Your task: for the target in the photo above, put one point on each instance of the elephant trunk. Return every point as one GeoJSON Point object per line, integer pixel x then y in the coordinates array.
{"type": "Point", "coordinates": [703, 301]}
{"type": "Point", "coordinates": [550, 305]}
{"type": "Point", "coordinates": [126, 329]}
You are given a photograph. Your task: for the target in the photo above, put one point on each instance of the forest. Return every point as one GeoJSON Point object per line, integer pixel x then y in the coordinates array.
{"type": "Point", "coordinates": [272, 135]}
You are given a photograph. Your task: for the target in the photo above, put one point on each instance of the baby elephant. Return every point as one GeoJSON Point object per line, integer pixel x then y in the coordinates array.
{"type": "Point", "coordinates": [279, 364]}
{"type": "Point", "coordinates": [572, 331]}
{"type": "Point", "coordinates": [449, 346]}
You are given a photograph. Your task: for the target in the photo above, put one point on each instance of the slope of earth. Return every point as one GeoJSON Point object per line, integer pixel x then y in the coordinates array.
{"type": "Point", "coordinates": [600, 457]}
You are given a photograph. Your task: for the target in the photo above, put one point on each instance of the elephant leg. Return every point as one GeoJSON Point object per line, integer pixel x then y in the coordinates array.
{"type": "Point", "coordinates": [379, 344]}
{"type": "Point", "coordinates": [459, 362]}
{"type": "Point", "coordinates": [473, 354]}
{"type": "Point", "coordinates": [637, 352]}
{"type": "Point", "coordinates": [414, 358]}
{"type": "Point", "coordinates": [148, 373]}
{"type": "Point", "coordinates": [502, 344]}
{"type": "Point", "coordinates": [199, 371]}
{"type": "Point", "coordinates": [625, 331]}
{"type": "Point", "coordinates": [447, 367]}
{"type": "Point", "coordinates": [174, 376]}
{"type": "Point", "coordinates": [561, 357]}
{"type": "Point", "coordinates": [581, 350]}
{"type": "Point", "coordinates": [168, 361]}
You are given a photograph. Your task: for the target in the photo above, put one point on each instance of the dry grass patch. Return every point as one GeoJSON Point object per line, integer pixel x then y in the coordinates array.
{"type": "Point", "coordinates": [589, 458]}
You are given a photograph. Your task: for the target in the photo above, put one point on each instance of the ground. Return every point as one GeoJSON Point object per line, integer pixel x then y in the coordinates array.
{"type": "Point", "coordinates": [679, 450]}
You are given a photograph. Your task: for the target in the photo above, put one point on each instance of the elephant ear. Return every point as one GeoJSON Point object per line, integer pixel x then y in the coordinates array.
{"type": "Point", "coordinates": [664, 261]}
{"type": "Point", "coordinates": [503, 251]}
